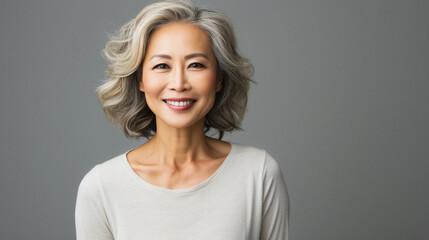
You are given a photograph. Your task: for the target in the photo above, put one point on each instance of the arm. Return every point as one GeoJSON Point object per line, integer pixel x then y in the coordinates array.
{"type": "Point", "coordinates": [275, 212]}
{"type": "Point", "coordinates": [90, 215]}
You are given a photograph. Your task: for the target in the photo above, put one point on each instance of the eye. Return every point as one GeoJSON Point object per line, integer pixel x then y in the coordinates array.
{"type": "Point", "coordinates": [196, 65]}
{"type": "Point", "coordinates": [161, 66]}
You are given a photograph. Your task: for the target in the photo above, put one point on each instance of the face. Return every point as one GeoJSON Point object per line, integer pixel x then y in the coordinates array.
{"type": "Point", "coordinates": [179, 75]}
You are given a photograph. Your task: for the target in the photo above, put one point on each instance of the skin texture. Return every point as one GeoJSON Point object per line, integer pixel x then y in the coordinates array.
{"type": "Point", "coordinates": [179, 63]}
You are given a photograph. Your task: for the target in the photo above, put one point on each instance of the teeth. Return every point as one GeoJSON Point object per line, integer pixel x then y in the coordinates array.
{"type": "Point", "coordinates": [179, 104]}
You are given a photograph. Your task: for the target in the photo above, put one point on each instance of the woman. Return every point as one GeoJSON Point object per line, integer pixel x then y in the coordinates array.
{"type": "Point", "coordinates": [175, 74]}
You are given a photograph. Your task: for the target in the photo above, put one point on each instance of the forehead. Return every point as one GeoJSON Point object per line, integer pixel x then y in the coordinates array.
{"type": "Point", "coordinates": [177, 38]}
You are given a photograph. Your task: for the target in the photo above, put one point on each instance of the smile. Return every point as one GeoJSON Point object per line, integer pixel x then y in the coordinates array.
{"type": "Point", "coordinates": [180, 105]}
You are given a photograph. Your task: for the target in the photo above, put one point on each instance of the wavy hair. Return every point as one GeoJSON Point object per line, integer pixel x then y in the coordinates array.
{"type": "Point", "coordinates": [125, 105]}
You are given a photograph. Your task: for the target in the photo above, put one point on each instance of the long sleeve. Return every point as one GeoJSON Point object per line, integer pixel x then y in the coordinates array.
{"type": "Point", "coordinates": [275, 218]}
{"type": "Point", "coordinates": [90, 216]}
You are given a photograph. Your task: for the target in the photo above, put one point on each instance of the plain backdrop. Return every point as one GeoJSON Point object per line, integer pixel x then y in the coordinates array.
{"type": "Point", "coordinates": [341, 103]}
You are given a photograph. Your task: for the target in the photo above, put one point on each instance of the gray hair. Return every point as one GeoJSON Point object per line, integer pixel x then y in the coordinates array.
{"type": "Point", "coordinates": [125, 105]}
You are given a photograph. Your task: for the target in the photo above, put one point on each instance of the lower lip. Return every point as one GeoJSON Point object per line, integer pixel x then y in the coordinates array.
{"type": "Point", "coordinates": [180, 108]}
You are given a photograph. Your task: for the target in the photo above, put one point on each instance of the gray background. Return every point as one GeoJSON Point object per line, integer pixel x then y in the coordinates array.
{"type": "Point", "coordinates": [341, 103]}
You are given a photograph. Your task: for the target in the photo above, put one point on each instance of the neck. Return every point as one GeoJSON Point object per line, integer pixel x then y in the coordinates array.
{"type": "Point", "coordinates": [179, 147]}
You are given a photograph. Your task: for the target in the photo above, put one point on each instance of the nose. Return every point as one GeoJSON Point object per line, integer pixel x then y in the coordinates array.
{"type": "Point", "coordinates": [178, 80]}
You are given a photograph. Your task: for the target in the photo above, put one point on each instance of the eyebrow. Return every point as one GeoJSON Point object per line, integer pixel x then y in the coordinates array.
{"type": "Point", "coordinates": [186, 57]}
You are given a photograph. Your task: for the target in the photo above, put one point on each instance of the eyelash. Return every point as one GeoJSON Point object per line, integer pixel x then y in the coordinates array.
{"type": "Point", "coordinates": [165, 66]}
{"type": "Point", "coordinates": [159, 65]}
{"type": "Point", "coordinates": [199, 65]}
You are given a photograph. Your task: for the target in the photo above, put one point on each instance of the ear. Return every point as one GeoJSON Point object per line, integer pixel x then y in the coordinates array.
{"type": "Point", "coordinates": [140, 81]}
{"type": "Point", "coordinates": [141, 85]}
{"type": "Point", "coordinates": [219, 83]}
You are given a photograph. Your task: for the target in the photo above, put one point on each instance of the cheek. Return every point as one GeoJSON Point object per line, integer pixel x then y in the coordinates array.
{"type": "Point", "coordinates": [152, 90]}
{"type": "Point", "coordinates": [151, 85]}
{"type": "Point", "coordinates": [207, 83]}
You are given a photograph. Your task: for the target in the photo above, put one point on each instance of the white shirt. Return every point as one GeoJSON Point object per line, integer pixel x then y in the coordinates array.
{"type": "Point", "coordinates": [246, 198]}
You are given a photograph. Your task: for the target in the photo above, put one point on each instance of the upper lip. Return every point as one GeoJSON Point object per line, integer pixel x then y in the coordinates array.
{"type": "Point", "coordinates": [179, 99]}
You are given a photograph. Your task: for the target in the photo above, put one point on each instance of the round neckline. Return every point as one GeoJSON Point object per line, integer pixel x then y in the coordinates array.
{"type": "Point", "coordinates": [181, 190]}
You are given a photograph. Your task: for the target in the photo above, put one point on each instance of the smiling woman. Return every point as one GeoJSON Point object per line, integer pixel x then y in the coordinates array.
{"type": "Point", "coordinates": [179, 76]}
{"type": "Point", "coordinates": [123, 103]}
{"type": "Point", "coordinates": [175, 73]}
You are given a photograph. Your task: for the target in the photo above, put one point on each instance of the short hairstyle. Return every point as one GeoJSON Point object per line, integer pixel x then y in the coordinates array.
{"type": "Point", "coordinates": [125, 105]}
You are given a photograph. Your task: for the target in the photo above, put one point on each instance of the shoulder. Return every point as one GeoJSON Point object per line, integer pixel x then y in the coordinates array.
{"type": "Point", "coordinates": [272, 168]}
{"type": "Point", "coordinates": [249, 153]}
{"type": "Point", "coordinates": [112, 165]}
{"type": "Point", "coordinates": [92, 179]}
{"type": "Point", "coordinates": [259, 157]}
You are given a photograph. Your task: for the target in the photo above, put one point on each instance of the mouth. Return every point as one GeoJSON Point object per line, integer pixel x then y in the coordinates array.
{"type": "Point", "coordinates": [179, 104]}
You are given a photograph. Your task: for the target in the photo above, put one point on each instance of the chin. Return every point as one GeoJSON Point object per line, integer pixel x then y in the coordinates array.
{"type": "Point", "coordinates": [183, 123]}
